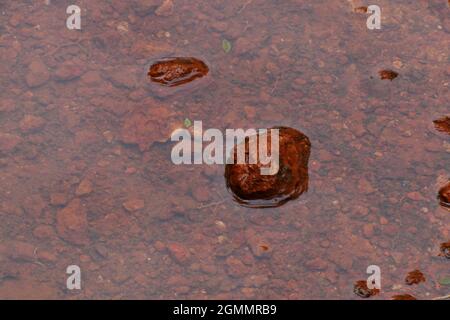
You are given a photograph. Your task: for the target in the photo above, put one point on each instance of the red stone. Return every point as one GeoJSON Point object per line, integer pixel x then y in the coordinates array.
{"type": "Point", "coordinates": [251, 188]}
{"type": "Point", "coordinates": [444, 195]}
{"type": "Point", "coordinates": [173, 72]}
{"type": "Point", "coordinates": [362, 290]}
{"type": "Point", "coordinates": [414, 277]}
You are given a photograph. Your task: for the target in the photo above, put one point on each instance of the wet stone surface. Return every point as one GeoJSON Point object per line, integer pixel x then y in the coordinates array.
{"type": "Point", "coordinates": [85, 151]}
{"type": "Point", "coordinates": [388, 74]}
{"type": "Point", "coordinates": [443, 124]}
{"type": "Point", "coordinates": [361, 289]}
{"type": "Point", "coordinates": [444, 195]}
{"type": "Point", "coordinates": [445, 249]}
{"type": "Point", "coordinates": [403, 297]}
{"type": "Point", "coordinates": [253, 189]}
{"type": "Point", "coordinates": [173, 72]}
{"type": "Point", "coordinates": [414, 277]}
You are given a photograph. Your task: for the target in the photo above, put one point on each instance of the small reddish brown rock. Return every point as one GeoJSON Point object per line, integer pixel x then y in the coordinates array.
{"type": "Point", "coordinates": [362, 290]}
{"type": "Point", "coordinates": [388, 74]}
{"type": "Point", "coordinates": [444, 196]}
{"type": "Point", "coordinates": [362, 9]}
{"type": "Point", "coordinates": [252, 189]}
{"type": "Point", "coordinates": [258, 245]}
{"type": "Point", "coordinates": [31, 123]}
{"type": "Point", "coordinates": [414, 277]}
{"type": "Point", "coordinates": [69, 70]}
{"type": "Point", "coordinates": [442, 124]}
{"type": "Point", "coordinates": [133, 205]}
{"type": "Point", "coordinates": [148, 125]}
{"type": "Point", "coordinates": [445, 249]}
{"type": "Point", "coordinates": [165, 9]}
{"type": "Point", "coordinates": [71, 223]}
{"type": "Point", "coordinates": [8, 142]}
{"type": "Point", "coordinates": [173, 72]}
{"type": "Point", "coordinates": [403, 297]}
{"type": "Point", "coordinates": [178, 252]}
{"type": "Point", "coordinates": [37, 74]}
{"type": "Point", "coordinates": [84, 188]}
{"type": "Point", "coordinates": [58, 199]}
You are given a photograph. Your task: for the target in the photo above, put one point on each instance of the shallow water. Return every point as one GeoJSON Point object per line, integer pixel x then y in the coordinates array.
{"type": "Point", "coordinates": [87, 177]}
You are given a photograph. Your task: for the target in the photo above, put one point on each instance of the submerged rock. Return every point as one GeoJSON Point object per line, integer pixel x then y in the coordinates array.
{"type": "Point", "coordinates": [403, 297]}
{"type": "Point", "coordinates": [171, 75]}
{"type": "Point", "coordinates": [252, 189]}
{"type": "Point", "coordinates": [388, 75]}
{"type": "Point", "coordinates": [414, 277]}
{"type": "Point", "coordinates": [72, 224]}
{"type": "Point", "coordinates": [444, 196]}
{"type": "Point", "coordinates": [445, 249]}
{"type": "Point", "coordinates": [361, 289]}
{"type": "Point", "coordinates": [442, 124]}
{"type": "Point", "coordinates": [173, 72]}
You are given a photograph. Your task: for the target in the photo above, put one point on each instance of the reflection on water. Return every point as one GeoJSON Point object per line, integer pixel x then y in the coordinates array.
{"type": "Point", "coordinates": [87, 177]}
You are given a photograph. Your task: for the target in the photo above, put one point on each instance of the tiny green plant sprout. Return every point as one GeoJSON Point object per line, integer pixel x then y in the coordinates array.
{"type": "Point", "coordinates": [187, 123]}
{"type": "Point", "coordinates": [226, 45]}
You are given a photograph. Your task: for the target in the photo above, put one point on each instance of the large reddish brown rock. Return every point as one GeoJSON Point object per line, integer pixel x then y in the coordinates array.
{"type": "Point", "coordinates": [72, 224]}
{"type": "Point", "coordinates": [251, 188]}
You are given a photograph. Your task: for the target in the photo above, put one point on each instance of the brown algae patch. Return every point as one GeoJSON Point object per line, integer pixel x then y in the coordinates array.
{"type": "Point", "coordinates": [252, 189]}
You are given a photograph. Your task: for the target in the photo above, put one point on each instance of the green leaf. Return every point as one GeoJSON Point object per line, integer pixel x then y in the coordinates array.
{"type": "Point", "coordinates": [226, 45]}
{"type": "Point", "coordinates": [187, 123]}
{"type": "Point", "coordinates": [444, 281]}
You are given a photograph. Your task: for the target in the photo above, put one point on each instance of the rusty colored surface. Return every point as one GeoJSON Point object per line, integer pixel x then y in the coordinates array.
{"type": "Point", "coordinates": [87, 177]}
{"type": "Point", "coordinates": [250, 188]}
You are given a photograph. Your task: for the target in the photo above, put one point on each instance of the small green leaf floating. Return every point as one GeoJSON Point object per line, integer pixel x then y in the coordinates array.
{"type": "Point", "coordinates": [444, 281]}
{"type": "Point", "coordinates": [187, 123]}
{"type": "Point", "coordinates": [226, 45]}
